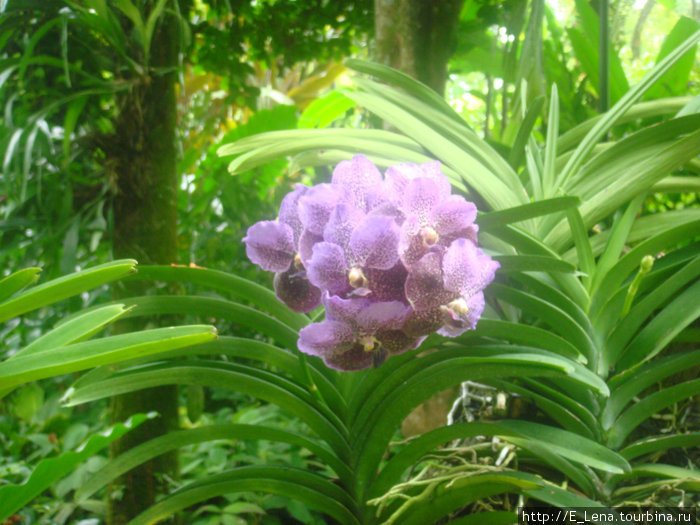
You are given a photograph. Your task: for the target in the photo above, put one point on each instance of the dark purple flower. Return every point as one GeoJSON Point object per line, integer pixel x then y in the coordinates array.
{"type": "Point", "coordinates": [356, 333]}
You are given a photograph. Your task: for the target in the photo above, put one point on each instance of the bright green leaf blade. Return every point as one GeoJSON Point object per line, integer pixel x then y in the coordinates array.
{"type": "Point", "coordinates": [570, 445]}
{"type": "Point", "coordinates": [16, 281]}
{"type": "Point", "coordinates": [320, 138]}
{"type": "Point", "coordinates": [500, 218]}
{"type": "Point", "coordinates": [517, 152]}
{"type": "Point", "coordinates": [554, 316]}
{"type": "Point", "coordinates": [213, 307]}
{"type": "Point", "coordinates": [550, 149]}
{"type": "Point", "coordinates": [47, 471]}
{"type": "Point", "coordinates": [528, 335]}
{"type": "Point", "coordinates": [76, 329]}
{"type": "Point", "coordinates": [373, 428]}
{"type": "Point", "coordinates": [494, 191]}
{"type": "Point", "coordinates": [643, 309]}
{"type": "Point", "coordinates": [642, 110]}
{"type": "Point", "coordinates": [64, 287]}
{"type": "Point", "coordinates": [107, 350]}
{"type": "Point", "coordinates": [582, 152]}
{"type": "Point", "coordinates": [584, 251]}
{"type": "Point", "coordinates": [532, 263]}
{"type": "Point", "coordinates": [562, 498]}
{"type": "Point", "coordinates": [630, 262]}
{"type": "Point", "coordinates": [409, 84]}
{"type": "Point", "coordinates": [82, 327]}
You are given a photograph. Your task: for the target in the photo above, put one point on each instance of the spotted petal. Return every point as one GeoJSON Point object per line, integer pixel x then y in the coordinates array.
{"type": "Point", "coordinates": [424, 284]}
{"type": "Point", "coordinates": [452, 215]}
{"type": "Point", "coordinates": [362, 182]}
{"type": "Point", "coordinates": [270, 245]}
{"type": "Point", "coordinates": [466, 269]}
{"type": "Point", "coordinates": [289, 210]}
{"type": "Point", "coordinates": [325, 338]}
{"type": "Point", "coordinates": [327, 268]}
{"type": "Point", "coordinates": [420, 197]}
{"type": "Point", "coordinates": [374, 243]}
{"type": "Point", "coordinates": [342, 221]}
{"type": "Point", "coordinates": [399, 175]}
{"type": "Point", "coordinates": [316, 205]}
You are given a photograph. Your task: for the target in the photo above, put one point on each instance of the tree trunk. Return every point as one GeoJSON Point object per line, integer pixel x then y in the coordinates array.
{"type": "Point", "coordinates": [143, 153]}
{"type": "Point", "coordinates": [417, 37]}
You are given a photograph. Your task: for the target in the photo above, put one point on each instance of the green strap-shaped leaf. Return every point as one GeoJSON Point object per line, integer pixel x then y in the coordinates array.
{"type": "Point", "coordinates": [642, 110]}
{"type": "Point", "coordinates": [263, 385]}
{"type": "Point", "coordinates": [498, 219]}
{"type": "Point", "coordinates": [629, 263]}
{"type": "Point", "coordinates": [409, 84]}
{"type": "Point", "coordinates": [107, 350]}
{"type": "Point", "coordinates": [16, 281]}
{"type": "Point", "coordinates": [654, 337]}
{"type": "Point", "coordinates": [457, 493]}
{"type": "Point", "coordinates": [494, 191]}
{"type": "Point", "coordinates": [554, 316]}
{"type": "Point", "coordinates": [213, 307]}
{"type": "Point", "coordinates": [517, 152]}
{"type": "Point", "coordinates": [532, 263]}
{"type": "Point", "coordinates": [175, 440]}
{"type": "Point", "coordinates": [665, 472]}
{"type": "Point", "coordinates": [602, 126]}
{"type": "Point", "coordinates": [317, 137]}
{"type": "Point", "coordinates": [563, 411]}
{"type": "Point", "coordinates": [650, 405]}
{"type": "Point", "coordinates": [66, 286]}
{"type": "Point", "coordinates": [80, 328]}
{"type": "Point", "coordinates": [653, 444]}
{"type": "Point", "coordinates": [635, 380]}
{"type": "Point", "coordinates": [447, 128]}
{"type": "Point", "coordinates": [315, 491]}
{"type": "Point", "coordinates": [374, 430]}
{"type": "Point", "coordinates": [50, 470]}
{"type": "Point", "coordinates": [528, 335]}
{"type": "Point", "coordinates": [258, 295]}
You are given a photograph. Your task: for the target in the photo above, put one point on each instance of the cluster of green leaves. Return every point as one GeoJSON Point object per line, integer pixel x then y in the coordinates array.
{"type": "Point", "coordinates": [70, 347]}
{"type": "Point", "coordinates": [529, 43]}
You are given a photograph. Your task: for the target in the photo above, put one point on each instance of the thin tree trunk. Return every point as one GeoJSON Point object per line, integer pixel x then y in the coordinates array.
{"type": "Point", "coordinates": [145, 228]}
{"type": "Point", "coordinates": [417, 37]}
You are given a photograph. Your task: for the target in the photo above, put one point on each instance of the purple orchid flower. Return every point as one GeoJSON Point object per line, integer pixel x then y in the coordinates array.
{"type": "Point", "coordinates": [391, 259]}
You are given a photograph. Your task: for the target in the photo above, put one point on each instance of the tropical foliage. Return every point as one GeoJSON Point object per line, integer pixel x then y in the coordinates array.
{"type": "Point", "coordinates": [589, 332]}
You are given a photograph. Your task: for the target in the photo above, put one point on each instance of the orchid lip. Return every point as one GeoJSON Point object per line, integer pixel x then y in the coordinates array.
{"type": "Point", "coordinates": [357, 278]}
{"type": "Point", "coordinates": [430, 237]}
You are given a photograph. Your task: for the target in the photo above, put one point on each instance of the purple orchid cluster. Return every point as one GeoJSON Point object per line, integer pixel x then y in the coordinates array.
{"type": "Point", "coordinates": [391, 259]}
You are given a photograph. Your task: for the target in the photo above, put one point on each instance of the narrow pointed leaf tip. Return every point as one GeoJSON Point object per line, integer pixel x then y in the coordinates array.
{"type": "Point", "coordinates": [393, 258]}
